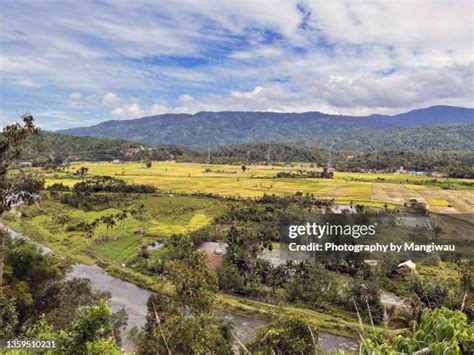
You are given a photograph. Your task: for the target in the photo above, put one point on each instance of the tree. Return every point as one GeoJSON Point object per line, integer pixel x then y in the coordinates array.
{"type": "Point", "coordinates": [184, 322]}
{"type": "Point", "coordinates": [147, 161]}
{"type": "Point", "coordinates": [92, 332]}
{"type": "Point", "coordinates": [366, 300]}
{"type": "Point", "coordinates": [40, 303]}
{"type": "Point", "coordinates": [287, 335]}
{"type": "Point", "coordinates": [14, 188]}
{"type": "Point", "coordinates": [82, 171]}
{"type": "Point", "coordinates": [8, 314]}
{"type": "Point", "coordinates": [109, 222]}
{"type": "Point", "coordinates": [311, 283]}
{"type": "Point", "coordinates": [121, 217]}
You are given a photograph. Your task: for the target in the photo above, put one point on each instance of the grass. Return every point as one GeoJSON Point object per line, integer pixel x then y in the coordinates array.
{"type": "Point", "coordinates": [438, 202]}
{"type": "Point", "coordinates": [121, 249]}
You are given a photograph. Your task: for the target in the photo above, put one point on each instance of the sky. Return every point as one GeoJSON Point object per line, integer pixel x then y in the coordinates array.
{"type": "Point", "coordinates": [77, 63]}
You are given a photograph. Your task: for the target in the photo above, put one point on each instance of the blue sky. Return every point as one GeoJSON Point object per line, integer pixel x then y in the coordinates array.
{"type": "Point", "coordinates": [76, 63]}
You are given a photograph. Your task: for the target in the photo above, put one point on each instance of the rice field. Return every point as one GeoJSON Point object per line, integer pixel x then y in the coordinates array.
{"type": "Point", "coordinates": [230, 180]}
{"type": "Point", "coordinates": [176, 211]}
{"type": "Point", "coordinates": [163, 216]}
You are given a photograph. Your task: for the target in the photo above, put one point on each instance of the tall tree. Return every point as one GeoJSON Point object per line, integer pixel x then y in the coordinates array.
{"type": "Point", "coordinates": [14, 188]}
{"type": "Point", "coordinates": [184, 322]}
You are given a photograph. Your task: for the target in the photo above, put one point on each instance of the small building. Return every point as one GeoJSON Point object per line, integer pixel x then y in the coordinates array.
{"type": "Point", "coordinates": [406, 265]}
{"type": "Point", "coordinates": [339, 209]}
{"type": "Point", "coordinates": [401, 171]}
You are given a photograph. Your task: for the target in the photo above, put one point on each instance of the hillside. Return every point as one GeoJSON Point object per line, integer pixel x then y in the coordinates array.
{"type": "Point", "coordinates": [219, 128]}
{"type": "Point", "coordinates": [418, 139]}
{"type": "Point", "coordinates": [53, 147]}
{"type": "Point", "coordinates": [50, 147]}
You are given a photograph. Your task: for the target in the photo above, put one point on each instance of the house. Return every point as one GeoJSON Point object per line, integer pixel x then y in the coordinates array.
{"type": "Point", "coordinates": [25, 164]}
{"type": "Point", "coordinates": [339, 209]}
{"type": "Point", "coordinates": [406, 265]}
{"type": "Point", "coordinates": [401, 171]}
{"type": "Point", "coordinates": [133, 150]}
{"type": "Point", "coordinates": [116, 161]}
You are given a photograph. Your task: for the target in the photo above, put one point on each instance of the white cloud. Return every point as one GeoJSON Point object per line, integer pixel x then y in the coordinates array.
{"type": "Point", "coordinates": [133, 109]}
{"type": "Point", "coordinates": [110, 98]}
{"type": "Point", "coordinates": [335, 56]}
{"type": "Point", "coordinates": [75, 96]}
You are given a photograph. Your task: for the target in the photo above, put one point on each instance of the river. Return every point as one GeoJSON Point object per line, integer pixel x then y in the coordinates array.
{"type": "Point", "coordinates": [125, 295]}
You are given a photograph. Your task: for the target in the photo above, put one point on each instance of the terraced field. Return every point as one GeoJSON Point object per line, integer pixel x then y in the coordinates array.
{"type": "Point", "coordinates": [163, 216]}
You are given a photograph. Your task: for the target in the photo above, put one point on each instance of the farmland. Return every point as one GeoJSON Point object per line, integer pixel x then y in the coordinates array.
{"type": "Point", "coordinates": [162, 216]}
{"type": "Point", "coordinates": [230, 180]}
{"type": "Point", "coordinates": [192, 199]}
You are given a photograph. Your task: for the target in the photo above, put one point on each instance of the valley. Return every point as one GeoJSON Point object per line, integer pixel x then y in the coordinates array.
{"type": "Point", "coordinates": [197, 200]}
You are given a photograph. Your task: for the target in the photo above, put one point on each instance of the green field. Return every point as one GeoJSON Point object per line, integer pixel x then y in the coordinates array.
{"type": "Point", "coordinates": [163, 216]}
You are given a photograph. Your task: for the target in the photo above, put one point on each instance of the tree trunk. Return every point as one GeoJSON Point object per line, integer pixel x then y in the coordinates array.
{"type": "Point", "coordinates": [3, 236]}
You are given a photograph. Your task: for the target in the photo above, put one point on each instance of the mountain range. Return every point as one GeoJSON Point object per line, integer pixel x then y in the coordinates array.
{"type": "Point", "coordinates": [228, 127]}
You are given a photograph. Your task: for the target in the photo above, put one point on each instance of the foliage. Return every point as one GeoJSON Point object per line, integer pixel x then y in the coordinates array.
{"type": "Point", "coordinates": [37, 302]}
{"type": "Point", "coordinates": [366, 298]}
{"type": "Point", "coordinates": [287, 335]}
{"type": "Point", "coordinates": [325, 174]}
{"type": "Point", "coordinates": [147, 161]}
{"type": "Point", "coordinates": [441, 331]}
{"type": "Point", "coordinates": [184, 323]}
{"type": "Point", "coordinates": [92, 332]}
{"type": "Point", "coordinates": [110, 184]}
{"type": "Point", "coordinates": [311, 284]}
{"type": "Point", "coordinates": [8, 314]}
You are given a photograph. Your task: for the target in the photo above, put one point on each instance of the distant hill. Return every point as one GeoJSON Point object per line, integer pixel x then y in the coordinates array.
{"type": "Point", "coordinates": [53, 147]}
{"type": "Point", "coordinates": [220, 128]}
{"type": "Point", "coordinates": [416, 139]}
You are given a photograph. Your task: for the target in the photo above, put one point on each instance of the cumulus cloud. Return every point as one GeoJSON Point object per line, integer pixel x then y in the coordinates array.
{"type": "Point", "coordinates": [75, 96]}
{"type": "Point", "coordinates": [133, 109]}
{"type": "Point", "coordinates": [110, 98]}
{"type": "Point", "coordinates": [289, 55]}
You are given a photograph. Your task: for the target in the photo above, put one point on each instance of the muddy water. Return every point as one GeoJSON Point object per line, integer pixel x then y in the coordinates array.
{"type": "Point", "coordinates": [133, 299]}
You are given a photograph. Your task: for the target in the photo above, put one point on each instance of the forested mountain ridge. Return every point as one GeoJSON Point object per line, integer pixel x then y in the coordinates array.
{"type": "Point", "coordinates": [419, 139]}
{"type": "Point", "coordinates": [220, 128]}
{"type": "Point", "coordinates": [50, 147]}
